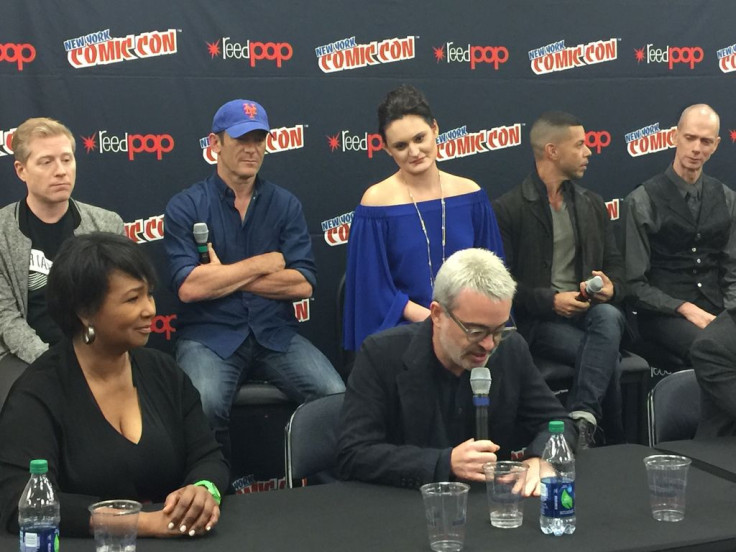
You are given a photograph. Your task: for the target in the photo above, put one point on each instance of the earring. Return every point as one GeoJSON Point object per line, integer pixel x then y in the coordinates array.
{"type": "Point", "coordinates": [89, 335]}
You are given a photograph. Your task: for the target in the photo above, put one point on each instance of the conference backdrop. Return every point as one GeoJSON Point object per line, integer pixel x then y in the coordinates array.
{"type": "Point", "coordinates": [138, 83]}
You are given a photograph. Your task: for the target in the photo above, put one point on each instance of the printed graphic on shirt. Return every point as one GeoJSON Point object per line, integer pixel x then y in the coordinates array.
{"type": "Point", "coordinates": [38, 270]}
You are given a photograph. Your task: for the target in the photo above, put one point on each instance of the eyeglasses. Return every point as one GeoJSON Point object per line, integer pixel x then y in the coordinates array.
{"type": "Point", "coordinates": [479, 333]}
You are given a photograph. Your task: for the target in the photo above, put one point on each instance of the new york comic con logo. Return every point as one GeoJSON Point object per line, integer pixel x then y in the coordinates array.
{"type": "Point", "coordinates": [251, 51]}
{"type": "Point", "coordinates": [472, 54]}
{"type": "Point", "coordinates": [146, 230]}
{"type": "Point", "coordinates": [671, 55]}
{"type": "Point", "coordinates": [277, 141]}
{"type": "Point", "coordinates": [649, 139]}
{"type": "Point", "coordinates": [346, 54]}
{"type": "Point", "coordinates": [461, 143]}
{"type": "Point", "coordinates": [337, 229]}
{"type": "Point", "coordinates": [6, 140]}
{"type": "Point", "coordinates": [130, 144]}
{"type": "Point", "coordinates": [18, 54]}
{"type": "Point", "coordinates": [558, 57]}
{"type": "Point", "coordinates": [727, 59]}
{"type": "Point", "coordinates": [100, 48]}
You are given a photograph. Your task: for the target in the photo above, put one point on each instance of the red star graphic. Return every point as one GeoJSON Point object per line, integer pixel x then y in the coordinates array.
{"type": "Point", "coordinates": [89, 142]}
{"type": "Point", "coordinates": [439, 53]}
{"type": "Point", "coordinates": [639, 55]}
{"type": "Point", "coordinates": [733, 136]}
{"type": "Point", "coordinates": [213, 48]}
{"type": "Point", "coordinates": [333, 142]}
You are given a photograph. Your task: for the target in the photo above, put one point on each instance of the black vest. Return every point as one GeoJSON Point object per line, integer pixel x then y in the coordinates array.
{"type": "Point", "coordinates": [686, 255]}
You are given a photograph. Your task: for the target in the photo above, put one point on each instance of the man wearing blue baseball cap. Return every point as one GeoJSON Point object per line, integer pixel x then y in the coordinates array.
{"type": "Point", "coordinates": [236, 318]}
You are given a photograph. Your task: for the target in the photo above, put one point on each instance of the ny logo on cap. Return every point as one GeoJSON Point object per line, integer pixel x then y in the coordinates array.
{"type": "Point", "coordinates": [250, 110]}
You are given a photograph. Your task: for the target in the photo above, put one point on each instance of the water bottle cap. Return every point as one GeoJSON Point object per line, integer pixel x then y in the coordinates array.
{"type": "Point", "coordinates": [557, 426]}
{"type": "Point", "coordinates": [39, 466]}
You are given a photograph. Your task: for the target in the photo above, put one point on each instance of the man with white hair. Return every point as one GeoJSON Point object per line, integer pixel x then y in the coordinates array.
{"type": "Point", "coordinates": [408, 416]}
{"type": "Point", "coordinates": [681, 240]}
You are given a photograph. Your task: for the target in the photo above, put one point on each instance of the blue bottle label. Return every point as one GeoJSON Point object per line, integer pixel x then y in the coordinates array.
{"type": "Point", "coordinates": [39, 539]}
{"type": "Point", "coordinates": [558, 497]}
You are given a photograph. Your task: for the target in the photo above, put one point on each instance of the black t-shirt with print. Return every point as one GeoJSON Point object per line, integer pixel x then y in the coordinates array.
{"type": "Point", "coordinates": [46, 239]}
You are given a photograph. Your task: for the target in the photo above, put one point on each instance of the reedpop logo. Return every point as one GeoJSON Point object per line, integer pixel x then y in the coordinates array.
{"type": "Point", "coordinates": [344, 141]}
{"type": "Point", "coordinates": [251, 51]}
{"type": "Point", "coordinates": [596, 140]}
{"type": "Point", "coordinates": [689, 55]}
{"type": "Point", "coordinates": [472, 54]}
{"type": "Point", "coordinates": [131, 144]}
{"type": "Point", "coordinates": [19, 54]}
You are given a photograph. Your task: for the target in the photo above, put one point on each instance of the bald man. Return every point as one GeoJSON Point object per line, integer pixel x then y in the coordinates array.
{"type": "Point", "coordinates": [680, 246]}
{"type": "Point", "coordinates": [556, 235]}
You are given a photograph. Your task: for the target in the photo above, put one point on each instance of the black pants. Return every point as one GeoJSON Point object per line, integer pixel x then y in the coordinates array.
{"type": "Point", "coordinates": [674, 333]}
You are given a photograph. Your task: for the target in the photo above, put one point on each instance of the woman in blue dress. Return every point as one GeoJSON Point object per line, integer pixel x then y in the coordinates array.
{"type": "Point", "coordinates": [408, 224]}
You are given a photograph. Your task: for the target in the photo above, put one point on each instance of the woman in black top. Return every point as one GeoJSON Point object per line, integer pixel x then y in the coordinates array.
{"type": "Point", "coordinates": [113, 419]}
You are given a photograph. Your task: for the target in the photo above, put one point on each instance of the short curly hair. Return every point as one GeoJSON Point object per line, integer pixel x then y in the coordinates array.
{"type": "Point", "coordinates": [79, 277]}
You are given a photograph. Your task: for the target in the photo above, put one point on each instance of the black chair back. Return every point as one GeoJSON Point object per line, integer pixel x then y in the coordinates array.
{"type": "Point", "coordinates": [674, 408]}
{"type": "Point", "coordinates": [311, 440]}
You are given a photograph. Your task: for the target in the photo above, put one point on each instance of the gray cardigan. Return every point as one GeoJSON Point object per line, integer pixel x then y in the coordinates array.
{"type": "Point", "coordinates": [16, 336]}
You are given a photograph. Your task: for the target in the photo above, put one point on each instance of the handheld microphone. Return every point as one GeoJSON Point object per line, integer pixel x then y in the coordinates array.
{"type": "Point", "coordinates": [480, 383]}
{"type": "Point", "coordinates": [201, 233]}
{"type": "Point", "coordinates": [592, 286]}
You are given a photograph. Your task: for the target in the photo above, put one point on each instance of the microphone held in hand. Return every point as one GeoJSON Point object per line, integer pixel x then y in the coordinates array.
{"type": "Point", "coordinates": [201, 234]}
{"type": "Point", "coordinates": [480, 383]}
{"type": "Point", "coordinates": [592, 286]}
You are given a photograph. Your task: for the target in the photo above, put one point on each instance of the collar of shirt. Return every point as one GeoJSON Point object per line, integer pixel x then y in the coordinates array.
{"type": "Point", "coordinates": [685, 187]}
{"type": "Point", "coordinates": [226, 192]}
{"type": "Point", "coordinates": [567, 189]}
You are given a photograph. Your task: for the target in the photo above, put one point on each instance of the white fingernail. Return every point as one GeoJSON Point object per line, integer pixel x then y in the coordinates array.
{"type": "Point", "coordinates": [208, 528]}
{"type": "Point", "coordinates": [171, 525]}
{"type": "Point", "coordinates": [183, 529]}
{"type": "Point", "coordinates": [191, 532]}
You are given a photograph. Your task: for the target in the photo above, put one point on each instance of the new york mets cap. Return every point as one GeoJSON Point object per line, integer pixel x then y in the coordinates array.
{"type": "Point", "coordinates": [238, 117]}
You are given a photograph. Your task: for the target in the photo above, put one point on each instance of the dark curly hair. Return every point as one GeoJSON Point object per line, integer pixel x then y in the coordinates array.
{"type": "Point", "coordinates": [402, 101]}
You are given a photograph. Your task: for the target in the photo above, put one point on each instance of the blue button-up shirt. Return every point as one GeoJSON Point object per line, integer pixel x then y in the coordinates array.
{"type": "Point", "coordinates": [274, 221]}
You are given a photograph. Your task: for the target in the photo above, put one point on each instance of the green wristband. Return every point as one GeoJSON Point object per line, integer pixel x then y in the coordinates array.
{"type": "Point", "coordinates": [213, 490]}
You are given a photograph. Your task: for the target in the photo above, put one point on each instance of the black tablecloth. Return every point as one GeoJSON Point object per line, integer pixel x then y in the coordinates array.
{"type": "Point", "coordinates": [717, 456]}
{"type": "Point", "coordinates": [612, 515]}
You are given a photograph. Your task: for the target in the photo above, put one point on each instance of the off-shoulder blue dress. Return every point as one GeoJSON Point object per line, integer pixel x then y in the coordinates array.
{"type": "Point", "coordinates": [387, 257]}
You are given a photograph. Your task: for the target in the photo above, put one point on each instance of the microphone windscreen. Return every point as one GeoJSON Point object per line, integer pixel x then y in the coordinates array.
{"type": "Point", "coordinates": [201, 232]}
{"type": "Point", "coordinates": [594, 285]}
{"type": "Point", "coordinates": [480, 380]}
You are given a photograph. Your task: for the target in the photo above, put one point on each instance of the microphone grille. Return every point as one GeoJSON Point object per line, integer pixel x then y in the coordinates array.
{"type": "Point", "coordinates": [596, 284]}
{"type": "Point", "coordinates": [201, 232]}
{"type": "Point", "coordinates": [480, 380]}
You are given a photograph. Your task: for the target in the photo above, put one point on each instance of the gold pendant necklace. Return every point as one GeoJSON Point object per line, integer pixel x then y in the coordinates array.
{"type": "Point", "coordinates": [424, 227]}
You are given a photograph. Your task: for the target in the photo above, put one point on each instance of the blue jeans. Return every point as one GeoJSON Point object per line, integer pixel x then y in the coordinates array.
{"type": "Point", "coordinates": [302, 372]}
{"type": "Point", "coordinates": [590, 342]}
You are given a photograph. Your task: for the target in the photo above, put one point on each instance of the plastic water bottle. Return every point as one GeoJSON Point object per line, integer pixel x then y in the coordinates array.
{"type": "Point", "coordinates": [38, 512]}
{"type": "Point", "coordinates": [557, 514]}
